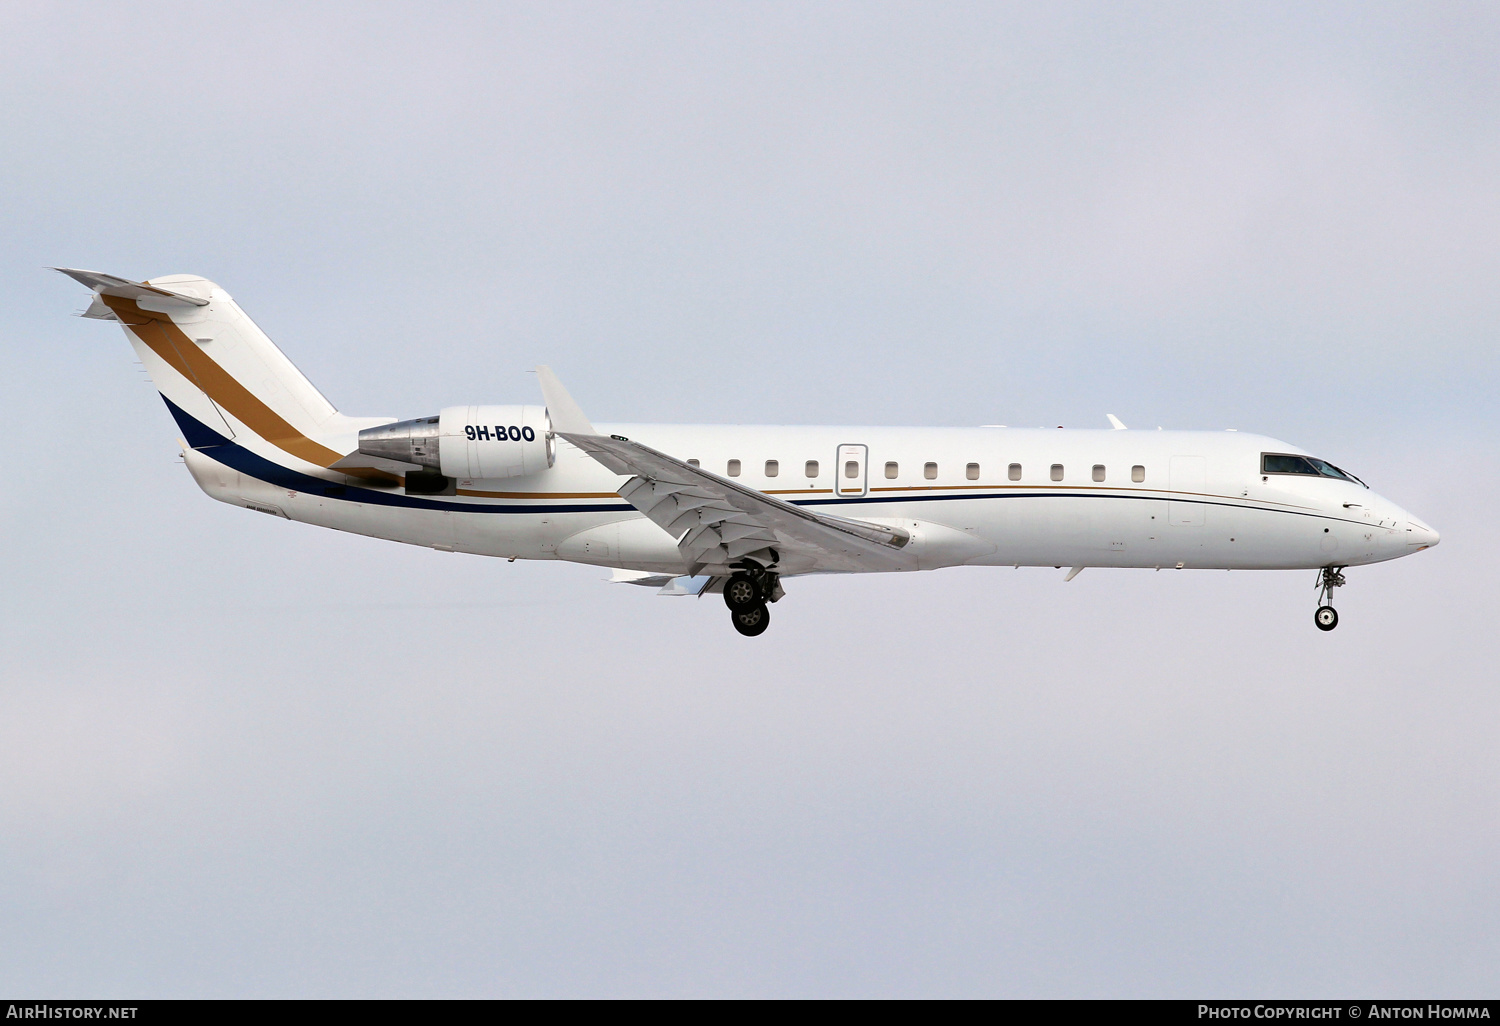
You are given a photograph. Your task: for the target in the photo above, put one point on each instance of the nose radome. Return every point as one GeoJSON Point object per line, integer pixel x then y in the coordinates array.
{"type": "Point", "coordinates": [1419, 535]}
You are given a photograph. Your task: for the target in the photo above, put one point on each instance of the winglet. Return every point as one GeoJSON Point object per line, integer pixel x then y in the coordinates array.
{"type": "Point", "coordinates": [1115, 422]}
{"type": "Point", "coordinates": [567, 418]}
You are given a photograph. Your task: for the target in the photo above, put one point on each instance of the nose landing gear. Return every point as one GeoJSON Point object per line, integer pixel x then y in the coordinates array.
{"type": "Point", "coordinates": [1330, 577]}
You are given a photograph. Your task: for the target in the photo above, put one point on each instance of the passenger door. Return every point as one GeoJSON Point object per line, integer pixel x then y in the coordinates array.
{"type": "Point", "coordinates": [849, 471]}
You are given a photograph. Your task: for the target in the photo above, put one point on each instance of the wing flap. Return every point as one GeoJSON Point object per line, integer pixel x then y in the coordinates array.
{"type": "Point", "coordinates": [721, 524]}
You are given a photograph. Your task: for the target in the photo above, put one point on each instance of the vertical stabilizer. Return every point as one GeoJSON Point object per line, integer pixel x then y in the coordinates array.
{"type": "Point", "coordinates": [216, 368]}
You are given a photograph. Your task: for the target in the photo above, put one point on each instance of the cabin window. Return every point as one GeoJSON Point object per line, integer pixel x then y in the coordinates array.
{"type": "Point", "coordinates": [1015, 472]}
{"type": "Point", "coordinates": [1057, 471]}
{"type": "Point", "coordinates": [734, 468]}
{"type": "Point", "coordinates": [851, 468]}
{"type": "Point", "coordinates": [929, 471]}
{"type": "Point", "coordinates": [972, 472]}
{"type": "Point", "coordinates": [772, 468]}
{"type": "Point", "coordinates": [811, 469]}
{"type": "Point", "coordinates": [892, 470]}
{"type": "Point", "coordinates": [1098, 472]}
{"type": "Point", "coordinates": [692, 463]}
{"type": "Point", "coordinates": [1137, 473]}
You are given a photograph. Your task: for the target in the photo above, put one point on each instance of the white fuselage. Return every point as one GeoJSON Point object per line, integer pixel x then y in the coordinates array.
{"type": "Point", "coordinates": [1201, 500]}
{"type": "Point", "coordinates": [711, 502]}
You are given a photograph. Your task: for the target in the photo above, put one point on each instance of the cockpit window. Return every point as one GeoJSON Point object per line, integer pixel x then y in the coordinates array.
{"type": "Point", "coordinates": [1328, 470]}
{"type": "Point", "coordinates": [1276, 463]}
{"type": "Point", "coordinates": [1311, 466]}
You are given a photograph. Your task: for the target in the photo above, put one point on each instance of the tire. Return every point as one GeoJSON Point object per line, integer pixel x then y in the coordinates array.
{"type": "Point", "coordinates": [741, 593]}
{"type": "Point", "coordinates": [1327, 618]}
{"type": "Point", "coordinates": [751, 622]}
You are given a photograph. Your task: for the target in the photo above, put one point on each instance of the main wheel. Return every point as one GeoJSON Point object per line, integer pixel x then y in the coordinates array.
{"type": "Point", "coordinates": [741, 593]}
{"type": "Point", "coordinates": [1327, 618]}
{"type": "Point", "coordinates": [751, 622]}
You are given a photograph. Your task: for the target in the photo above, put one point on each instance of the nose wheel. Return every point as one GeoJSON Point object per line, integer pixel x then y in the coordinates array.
{"type": "Point", "coordinates": [1330, 577]}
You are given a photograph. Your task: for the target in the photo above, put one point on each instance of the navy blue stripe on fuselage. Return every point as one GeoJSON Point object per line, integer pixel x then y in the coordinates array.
{"type": "Point", "coordinates": [1063, 494]}
{"type": "Point", "coordinates": [215, 446]}
{"type": "Point", "coordinates": [1019, 494]}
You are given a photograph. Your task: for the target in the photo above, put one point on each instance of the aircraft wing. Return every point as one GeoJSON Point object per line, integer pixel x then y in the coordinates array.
{"type": "Point", "coordinates": [719, 523]}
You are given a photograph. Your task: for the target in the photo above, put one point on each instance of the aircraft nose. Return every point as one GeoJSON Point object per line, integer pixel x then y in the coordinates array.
{"type": "Point", "coordinates": [1419, 536]}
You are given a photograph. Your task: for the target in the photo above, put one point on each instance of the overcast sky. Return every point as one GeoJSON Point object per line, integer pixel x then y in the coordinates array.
{"type": "Point", "coordinates": [245, 757]}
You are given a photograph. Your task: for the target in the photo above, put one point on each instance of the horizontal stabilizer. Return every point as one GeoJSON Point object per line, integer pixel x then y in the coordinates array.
{"type": "Point", "coordinates": [109, 285]}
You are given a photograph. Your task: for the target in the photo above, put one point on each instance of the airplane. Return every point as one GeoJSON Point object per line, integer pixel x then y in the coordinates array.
{"type": "Point", "coordinates": [733, 510]}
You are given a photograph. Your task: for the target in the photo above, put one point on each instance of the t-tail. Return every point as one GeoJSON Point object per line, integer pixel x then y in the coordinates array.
{"type": "Point", "coordinates": [224, 381]}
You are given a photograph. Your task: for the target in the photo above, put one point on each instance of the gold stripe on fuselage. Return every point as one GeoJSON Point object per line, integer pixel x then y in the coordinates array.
{"type": "Point", "coordinates": [537, 495]}
{"type": "Point", "coordinates": [167, 340]}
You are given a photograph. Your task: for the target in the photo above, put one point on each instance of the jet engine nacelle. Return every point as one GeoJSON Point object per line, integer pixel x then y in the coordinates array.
{"type": "Point", "coordinates": [472, 442]}
{"type": "Point", "coordinates": [494, 441]}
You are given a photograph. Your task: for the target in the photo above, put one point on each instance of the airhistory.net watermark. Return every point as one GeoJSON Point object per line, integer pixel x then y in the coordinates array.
{"type": "Point", "coordinates": [42, 1010]}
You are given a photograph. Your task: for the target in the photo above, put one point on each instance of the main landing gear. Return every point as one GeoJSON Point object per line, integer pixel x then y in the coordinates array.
{"type": "Point", "coordinates": [752, 620]}
{"type": "Point", "coordinates": [748, 594]}
{"type": "Point", "coordinates": [1330, 577]}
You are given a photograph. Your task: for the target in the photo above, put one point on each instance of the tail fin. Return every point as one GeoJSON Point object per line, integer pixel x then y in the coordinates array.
{"type": "Point", "coordinates": [223, 379]}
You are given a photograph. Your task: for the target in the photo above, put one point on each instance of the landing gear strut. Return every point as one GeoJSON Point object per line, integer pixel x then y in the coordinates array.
{"type": "Point", "coordinates": [1330, 577]}
{"type": "Point", "coordinates": [748, 594]}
